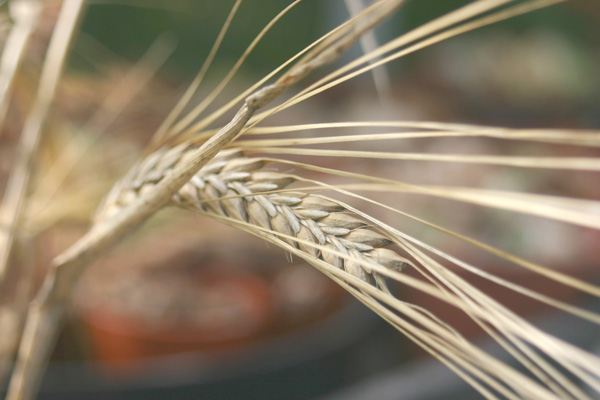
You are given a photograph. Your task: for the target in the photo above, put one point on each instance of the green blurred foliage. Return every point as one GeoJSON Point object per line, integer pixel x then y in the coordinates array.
{"type": "Point", "coordinates": [128, 30]}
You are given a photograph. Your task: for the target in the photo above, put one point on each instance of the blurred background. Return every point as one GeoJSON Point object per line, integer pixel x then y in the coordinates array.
{"type": "Point", "coordinates": [188, 308]}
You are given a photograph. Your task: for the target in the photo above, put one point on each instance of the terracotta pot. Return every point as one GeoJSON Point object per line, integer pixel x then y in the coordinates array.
{"type": "Point", "coordinates": [237, 310]}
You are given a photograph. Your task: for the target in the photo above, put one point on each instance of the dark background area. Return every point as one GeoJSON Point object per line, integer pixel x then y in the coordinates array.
{"type": "Point", "coordinates": [489, 76]}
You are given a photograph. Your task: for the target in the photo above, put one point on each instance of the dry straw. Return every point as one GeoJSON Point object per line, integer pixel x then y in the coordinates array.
{"type": "Point", "coordinates": [192, 166]}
